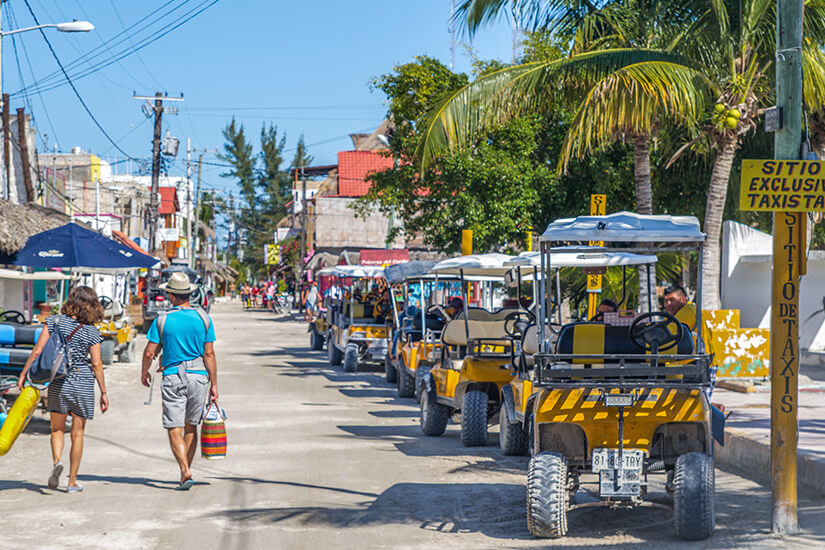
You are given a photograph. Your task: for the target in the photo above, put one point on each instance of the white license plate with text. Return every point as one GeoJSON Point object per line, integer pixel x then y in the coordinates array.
{"type": "Point", "coordinates": [608, 459]}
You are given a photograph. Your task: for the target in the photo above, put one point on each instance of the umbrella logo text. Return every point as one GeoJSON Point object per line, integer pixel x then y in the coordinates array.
{"type": "Point", "coordinates": [50, 254]}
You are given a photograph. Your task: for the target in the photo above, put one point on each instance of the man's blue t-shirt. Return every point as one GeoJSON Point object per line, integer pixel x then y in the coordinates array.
{"type": "Point", "coordinates": [184, 335]}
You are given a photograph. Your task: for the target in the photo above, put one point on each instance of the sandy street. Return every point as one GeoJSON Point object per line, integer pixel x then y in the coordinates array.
{"type": "Point", "coordinates": [317, 459]}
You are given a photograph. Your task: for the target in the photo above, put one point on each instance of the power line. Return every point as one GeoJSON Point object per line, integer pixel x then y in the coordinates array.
{"type": "Point", "coordinates": [49, 83]}
{"type": "Point", "coordinates": [74, 89]}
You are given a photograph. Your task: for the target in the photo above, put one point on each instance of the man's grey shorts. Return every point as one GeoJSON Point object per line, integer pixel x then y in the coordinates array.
{"type": "Point", "coordinates": [184, 399]}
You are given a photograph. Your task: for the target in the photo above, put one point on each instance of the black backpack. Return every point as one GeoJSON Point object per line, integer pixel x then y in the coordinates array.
{"type": "Point", "coordinates": [52, 363]}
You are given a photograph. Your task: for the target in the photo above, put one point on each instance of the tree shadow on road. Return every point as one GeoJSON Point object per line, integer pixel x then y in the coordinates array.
{"type": "Point", "coordinates": [498, 511]}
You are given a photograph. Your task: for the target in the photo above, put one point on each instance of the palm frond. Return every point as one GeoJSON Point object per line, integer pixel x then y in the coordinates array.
{"type": "Point", "coordinates": [632, 100]}
{"type": "Point", "coordinates": [518, 90]}
{"type": "Point", "coordinates": [813, 73]}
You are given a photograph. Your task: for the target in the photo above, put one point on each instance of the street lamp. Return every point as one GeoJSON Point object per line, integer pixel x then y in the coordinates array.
{"type": "Point", "coordinates": [70, 26]}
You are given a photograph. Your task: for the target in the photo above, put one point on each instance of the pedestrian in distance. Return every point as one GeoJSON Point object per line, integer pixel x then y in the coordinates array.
{"type": "Point", "coordinates": [74, 394]}
{"type": "Point", "coordinates": [311, 301]}
{"type": "Point", "coordinates": [190, 378]}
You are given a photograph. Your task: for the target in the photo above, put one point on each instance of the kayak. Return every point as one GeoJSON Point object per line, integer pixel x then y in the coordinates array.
{"type": "Point", "coordinates": [19, 416]}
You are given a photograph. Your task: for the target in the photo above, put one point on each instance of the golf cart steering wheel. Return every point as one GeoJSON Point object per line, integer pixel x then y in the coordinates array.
{"type": "Point", "coordinates": [439, 310]}
{"type": "Point", "coordinates": [12, 316]}
{"type": "Point", "coordinates": [517, 322]}
{"type": "Point", "coordinates": [655, 335]}
{"type": "Point", "coordinates": [105, 302]}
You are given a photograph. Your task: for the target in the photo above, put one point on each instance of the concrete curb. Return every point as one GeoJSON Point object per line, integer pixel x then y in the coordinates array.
{"type": "Point", "coordinates": [752, 454]}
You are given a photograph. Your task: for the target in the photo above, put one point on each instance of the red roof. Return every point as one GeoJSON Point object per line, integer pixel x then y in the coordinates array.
{"type": "Point", "coordinates": [168, 200]}
{"type": "Point", "coordinates": [383, 256]}
{"type": "Point", "coordinates": [128, 242]}
{"type": "Point", "coordinates": [353, 168]}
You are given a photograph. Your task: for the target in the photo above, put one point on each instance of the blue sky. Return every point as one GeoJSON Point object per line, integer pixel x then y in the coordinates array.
{"type": "Point", "coordinates": [304, 66]}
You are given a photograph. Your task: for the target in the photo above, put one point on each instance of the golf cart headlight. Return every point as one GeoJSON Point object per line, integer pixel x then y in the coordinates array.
{"type": "Point", "coordinates": [359, 334]}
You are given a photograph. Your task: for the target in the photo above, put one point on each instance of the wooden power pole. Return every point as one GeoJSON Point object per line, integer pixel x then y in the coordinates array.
{"type": "Point", "coordinates": [788, 267]}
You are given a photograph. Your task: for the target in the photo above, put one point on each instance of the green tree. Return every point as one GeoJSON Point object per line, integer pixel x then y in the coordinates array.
{"type": "Point", "coordinates": [501, 186]}
{"type": "Point", "coordinates": [724, 56]}
{"type": "Point", "coordinates": [302, 158]}
{"type": "Point", "coordinates": [264, 186]}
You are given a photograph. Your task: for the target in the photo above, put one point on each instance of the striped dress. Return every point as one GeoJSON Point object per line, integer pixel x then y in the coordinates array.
{"type": "Point", "coordinates": [76, 392]}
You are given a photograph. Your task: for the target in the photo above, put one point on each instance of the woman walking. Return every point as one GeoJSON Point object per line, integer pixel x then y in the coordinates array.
{"type": "Point", "coordinates": [75, 393]}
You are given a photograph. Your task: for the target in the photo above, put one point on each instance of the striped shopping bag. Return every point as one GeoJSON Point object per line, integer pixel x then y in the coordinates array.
{"type": "Point", "coordinates": [213, 433]}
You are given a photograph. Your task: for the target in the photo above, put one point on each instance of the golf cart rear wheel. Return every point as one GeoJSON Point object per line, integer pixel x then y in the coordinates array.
{"type": "Point", "coordinates": [128, 353]}
{"type": "Point", "coordinates": [511, 438]}
{"type": "Point", "coordinates": [693, 494]}
{"type": "Point", "coordinates": [433, 415]}
{"type": "Point", "coordinates": [547, 496]}
{"type": "Point", "coordinates": [390, 374]}
{"type": "Point", "coordinates": [107, 351]}
{"type": "Point", "coordinates": [316, 341]}
{"type": "Point", "coordinates": [474, 419]}
{"type": "Point", "coordinates": [333, 354]}
{"type": "Point", "coordinates": [351, 358]}
{"type": "Point", "coordinates": [406, 383]}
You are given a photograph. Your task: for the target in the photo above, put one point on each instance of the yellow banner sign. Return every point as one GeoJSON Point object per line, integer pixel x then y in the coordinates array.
{"type": "Point", "coordinates": [782, 186]}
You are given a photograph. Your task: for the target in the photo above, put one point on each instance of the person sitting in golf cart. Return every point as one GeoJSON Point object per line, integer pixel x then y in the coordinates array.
{"type": "Point", "coordinates": [382, 310]}
{"type": "Point", "coordinates": [676, 303]}
{"type": "Point", "coordinates": [373, 295]}
{"type": "Point", "coordinates": [605, 306]}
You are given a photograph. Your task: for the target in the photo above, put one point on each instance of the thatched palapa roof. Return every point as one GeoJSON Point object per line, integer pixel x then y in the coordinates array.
{"type": "Point", "coordinates": [18, 222]}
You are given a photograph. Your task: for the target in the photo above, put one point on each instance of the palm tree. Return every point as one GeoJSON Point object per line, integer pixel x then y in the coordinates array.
{"type": "Point", "coordinates": [723, 54]}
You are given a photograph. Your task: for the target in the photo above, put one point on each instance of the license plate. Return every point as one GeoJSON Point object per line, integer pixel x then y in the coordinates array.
{"type": "Point", "coordinates": [618, 399]}
{"type": "Point", "coordinates": [607, 459]}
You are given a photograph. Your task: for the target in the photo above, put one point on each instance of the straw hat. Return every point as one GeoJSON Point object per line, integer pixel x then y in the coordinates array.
{"type": "Point", "coordinates": [179, 284]}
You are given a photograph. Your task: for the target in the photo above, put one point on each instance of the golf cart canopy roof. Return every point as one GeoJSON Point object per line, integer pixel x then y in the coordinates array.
{"type": "Point", "coordinates": [476, 265]}
{"type": "Point", "coordinates": [354, 271]}
{"type": "Point", "coordinates": [627, 227]}
{"type": "Point", "coordinates": [563, 256]}
{"type": "Point", "coordinates": [38, 276]}
{"type": "Point", "coordinates": [410, 270]}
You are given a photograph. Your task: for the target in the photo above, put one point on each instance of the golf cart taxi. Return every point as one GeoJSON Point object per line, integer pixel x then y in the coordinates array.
{"type": "Point", "coordinates": [475, 357]}
{"type": "Point", "coordinates": [354, 336]}
{"type": "Point", "coordinates": [517, 396]}
{"type": "Point", "coordinates": [616, 404]}
{"type": "Point", "coordinates": [418, 331]}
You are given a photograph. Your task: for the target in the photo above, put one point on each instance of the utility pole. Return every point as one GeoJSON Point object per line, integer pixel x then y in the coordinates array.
{"type": "Point", "coordinates": [24, 154]}
{"type": "Point", "coordinates": [788, 267]}
{"type": "Point", "coordinates": [303, 221]}
{"type": "Point", "coordinates": [189, 216]}
{"type": "Point", "coordinates": [6, 182]}
{"type": "Point", "coordinates": [157, 109]}
{"type": "Point", "coordinates": [192, 237]}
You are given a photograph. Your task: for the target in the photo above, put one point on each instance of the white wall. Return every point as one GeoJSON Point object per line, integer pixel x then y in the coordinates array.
{"type": "Point", "coordinates": [11, 294]}
{"type": "Point", "coordinates": [746, 283]}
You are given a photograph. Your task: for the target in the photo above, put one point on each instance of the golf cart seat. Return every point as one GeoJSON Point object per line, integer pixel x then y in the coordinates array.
{"type": "Point", "coordinates": [479, 314]}
{"type": "Point", "coordinates": [600, 339]}
{"type": "Point", "coordinates": [490, 334]}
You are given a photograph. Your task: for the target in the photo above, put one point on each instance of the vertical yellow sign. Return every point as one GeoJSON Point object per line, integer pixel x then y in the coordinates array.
{"type": "Point", "coordinates": [788, 251]}
{"type": "Point", "coordinates": [466, 242]}
{"type": "Point", "coordinates": [598, 207]}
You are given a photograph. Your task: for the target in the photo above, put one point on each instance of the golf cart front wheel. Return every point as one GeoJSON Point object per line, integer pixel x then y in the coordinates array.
{"type": "Point", "coordinates": [547, 496]}
{"type": "Point", "coordinates": [316, 340]}
{"type": "Point", "coordinates": [333, 353]}
{"type": "Point", "coordinates": [474, 419]}
{"type": "Point", "coordinates": [351, 358]}
{"type": "Point", "coordinates": [433, 415]}
{"type": "Point", "coordinates": [390, 373]}
{"type": "Point", "coordinates": [107, 351]}
{"type": "Point", "coordinates": [511, 438]}
{"type": "Point", "coordinates": [694, 480]}
{"type": "Point", "coordinates": [406, 383]}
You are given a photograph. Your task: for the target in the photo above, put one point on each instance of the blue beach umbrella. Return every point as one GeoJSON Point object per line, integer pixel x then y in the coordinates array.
{"type": "Point", "coordinates": [74, 246]}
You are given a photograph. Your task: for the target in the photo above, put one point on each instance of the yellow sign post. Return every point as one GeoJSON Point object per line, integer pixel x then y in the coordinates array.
{"type": "Point", "coordinates": [466, 242]}
{"type": "Point", "coordinates": [598, 207]}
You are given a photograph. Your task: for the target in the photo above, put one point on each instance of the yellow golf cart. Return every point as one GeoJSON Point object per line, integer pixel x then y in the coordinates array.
{"type": "Point", "coordinates": [618, 402]}
{"type": "Point", "coordinates": [416, 340]}
{"type": "Point", "coordinates": [518, 395]}
{"type": "Point", "coordinates": [475, 357]}
{"type": "Point", "coordinates": [354, 336]}
{"type": "Point", "coordinates": [118, 332]}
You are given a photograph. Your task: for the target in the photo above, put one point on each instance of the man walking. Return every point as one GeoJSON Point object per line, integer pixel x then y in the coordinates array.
{"type": "Point", "coordinates": [186, 336]}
